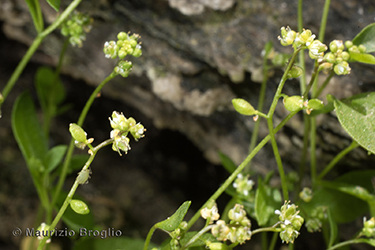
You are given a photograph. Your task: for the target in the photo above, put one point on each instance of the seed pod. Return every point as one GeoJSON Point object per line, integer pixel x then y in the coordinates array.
{"type": "Point", "coordinates": [243, 107]}
{"type": "Point", "coordinates": [293, 103]}
{"type": "Point", "coordinates": [79, 207]}
{"type": "Point", "coordinates": [315, 104]}
{"type": "Point", "coordinates": [84, 176]}
{"type": "Point", "coordinates": [77, 133]}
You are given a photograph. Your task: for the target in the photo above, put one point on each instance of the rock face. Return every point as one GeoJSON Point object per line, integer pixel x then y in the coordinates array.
{"type": "Point", "coordinates": [197, 56]}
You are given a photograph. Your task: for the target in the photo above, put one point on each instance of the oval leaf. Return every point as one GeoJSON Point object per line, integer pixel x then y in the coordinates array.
{"type": "Point", "coordinates": [362, 58]}
{"type": "Point", "coordinates": [27, 130]}
{"type": "Point", "coordinates": [267, 200]}
{"type": "Point", "coordinates": [227, 162]}
{"type": "Point", "coordinates": [367, 38]}
{"type": "Point", "coordinates": [79, 207]}
{"type": "Point", "coordinates": [54, 157]}
{"type": "Point", "coordinates": [357, 116]}
{"type": "Point", "coordinates": [174, 221]}
{"type": "Point", "coordinates": [55, 4]}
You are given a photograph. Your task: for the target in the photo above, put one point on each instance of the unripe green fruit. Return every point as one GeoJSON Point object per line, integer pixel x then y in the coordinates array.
{"type": "Point", "coordinates": [293, 103]}
{"type": "Point", "coordinates": [77, 133]}
{"type": "Point", "coordinates": [243, 107]}
{"type": "Point", "coordinates": [315, 104]}
{"type": "Point", "coordinates": [79, 207]}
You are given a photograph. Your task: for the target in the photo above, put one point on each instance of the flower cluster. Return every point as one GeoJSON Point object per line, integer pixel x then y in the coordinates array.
{"type": "Point", "coordinates": [76, 28]}
{"type": "Point", "coordinates": [317, 216]}
{"type": "Point", "coordinates": [237, 231]}
{"type": "Point", "coordinates": [243, 185]}
{"type": "Point", "coordinates": [303, 39]}
{"type": "Point", "coordinates": [121, 127]}
{"type": "Point", "coordinates": [290, 221]}
{"type": "Point", "coordinates": [368, 227]}
{"type": "Point", "coordinates": [177, 235]}
{"type": "Point", "coordinates": [125, 45]}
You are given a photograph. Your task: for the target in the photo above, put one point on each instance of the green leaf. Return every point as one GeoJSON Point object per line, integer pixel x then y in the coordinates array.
{"type": "Point", "coordinates": [36, 14]}
{"type": "Point", "coordinates": [109, 243]}
{"type": "Point", "coordinates": [366, 37]}
{"type": "Point", "coordinates": [354, 190]}
{"type": "Point", "coordinates": [357, 116]}
{"type": "Point", "coordinates": [79, 207]}
{"type": "Point", "coordinates": [55, 4]}
{"type": "Point", "coordinates": [267, 200]}
{"type": "Point", "coordinates": [332, 228]}
{"type": "Point", "coordinates": [362, 58]}
{"type": "Point", "coordinates": [73, 220]}
{"type": "Point", "coordinates": [227, 163]}
{"type": "Point", "coordinates": [50, 90]}
{"type": "Point", "coordinates": [54, 157]}
{"type": "Point", "coordinates": [27, 130]}
{"type": "Point", "coordinates": [174, 221]}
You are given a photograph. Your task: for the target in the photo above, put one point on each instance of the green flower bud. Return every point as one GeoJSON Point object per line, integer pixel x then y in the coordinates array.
{"type": "Point", "coordinates": [326, 67]}
{"type": "Point", "coordinates": [237, 213]}
{"type": "Point", "coordinates": [348, 44]}
{"type": "Point", "coordinates": [288, 234]}
{"type": "Point", "coordinates": [137, 131]}
{"type": "Point", "coordinates": [345, 56]}
{"type": "Point", "coordinates": [123, 68]}
{"type": "Point", "coordinates": [220, 230]}
{"type": "Point", "coordinates": [243, 107]}
{"type": "Point", "coordinates": [313, 225]}
{"type": "Point", "coordinates": [77, 133]}
{"type": "Point", "coordinates": [330, 57]}
{"type": "Point", "coordinates": [354, 49]}
{"type": "Point", "coordinates": [295, 72]}
{"type": "Point", "coordinates": [342, 68]}
{"type": "Point", "coordinates": [362, 48]}
{"type": "Point", "coordinates": [315, 104]}
{"type": "Point", "coordinates": [122, 36]}
{"type": "Point", "coordinates": [131, 121]}
{"type": "Point", "coordinates": [297, 222]}
{"type": "Point", "coordinates": [336, 45]}
{"type": "Point", "coordinates": [79, 207]}
{"type": "Point", "coordinates": [293, 103]}
{"type": "Point", "coordinates": [137, 51]}
{"type": "Point", "coordinates": [306, 194]}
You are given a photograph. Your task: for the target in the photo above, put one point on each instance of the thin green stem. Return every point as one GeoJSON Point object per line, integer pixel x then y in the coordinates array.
{"type": "Point", "coordinates": [323, 22]}
{"type": "Point", "coordinates": [324, 85]}
{"type": "Point", "coordinates": [279, 162]}
{"type": "Point", "coordinates": [267, 229]}
{"type": "Point", "coordinates": [303, 160]}
{"type": "Point", "coordinates": [281, 84]}
{"type": "Point", "coordinates": [348, 242]}
{"type": "Point", "coordinates": [39, 17]}
{"type": "Point", "coordinates": [262, 95]}
{"type": "Point", "coordinates": [273, 241]}
{"type": "Point", "coordinates": [196, 237]}
{"type": "Point", "coordinates": [37, 41]}
{"type": "Point", "coordinates": [337, 158]}
{"type": "Point", "coordinates": [73, 189]}
{"type": "Point", "coordinates": [239, 169]}
{"type": "Point", "coordinates": [71, 145]}
{"type": "Point", "coordinates": [312, 81]}
{"type": "Point", "coordinates": [148, 238]}
{"type": "Point", "coordinates": [313, 149]}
